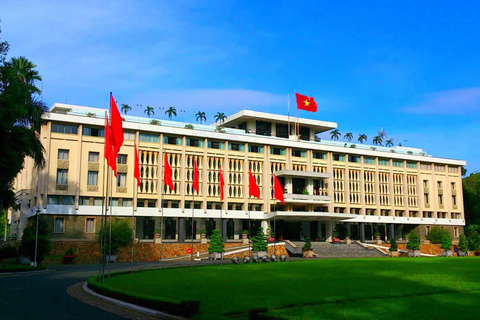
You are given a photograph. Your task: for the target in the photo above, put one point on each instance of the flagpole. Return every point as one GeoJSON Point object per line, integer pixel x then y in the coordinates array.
{"type": "Point", "coordinates": [133, 218]}
{"type": "Point", "coordinates": [288, 106]}
{"type": "Point", "coordinates": [249, 235]}
{"type": "Point", "coordinates": [110, 227]}
{"type": "Point", "coordinates": [193, 217]}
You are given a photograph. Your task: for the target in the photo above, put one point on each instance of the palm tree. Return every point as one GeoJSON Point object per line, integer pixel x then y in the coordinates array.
{"type": "Point", "coordinates": [377, 141]}
{"type": "Point", "coordinates": [25, 71]}
{"type": "Point", "coordinates": [389, 143]}
{"type": "Point", "coordinates": [220, 117]}
{"type": "Point", "coordinates": [149, 111]}
{"type": "Point", "coordinates": [201, 116]}
{"type": "Point", "coordinates": [348, 136]}
{"type": "Point", "coordinates": [172, 111]}
{"type": "Point", "coordinates": [362, 137]}
{"type": "Point", "coordinates": [335, 134]}
{"type": "Point", "coordinates": [126, 108]}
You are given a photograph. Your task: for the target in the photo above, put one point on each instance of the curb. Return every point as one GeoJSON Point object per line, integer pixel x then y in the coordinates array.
{"type": "Point", "coordinates": [23, 272]}
{"type": "Point", "coordinates": [131, 306]}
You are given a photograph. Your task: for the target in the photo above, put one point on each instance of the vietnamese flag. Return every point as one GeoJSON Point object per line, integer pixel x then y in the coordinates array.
{"type": "Point", "coordinates": [196, 182]}
{"type": "Point", "coordinates": [253, 189]}
{"type": "Point", "coordinates": [116, 125]}
{"type": "Point", "coordinates": [108, 151]}
{"type": "Point", "coordinates": [306, 103]}
{"type": "Point", "coordinates": [278, 190]}
{"type": "Point", "coordinates": [136, 168]}
{"type": "Point", "coordinates": [167, 173]}
{"type": "Point", "coordinates": [222, 183]}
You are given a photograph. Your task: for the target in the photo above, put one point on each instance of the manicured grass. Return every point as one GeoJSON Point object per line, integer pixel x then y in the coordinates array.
{"type": "Point", "coordinates": [16, 267]}
{"type": "Point", "coordinates": [359, 288]}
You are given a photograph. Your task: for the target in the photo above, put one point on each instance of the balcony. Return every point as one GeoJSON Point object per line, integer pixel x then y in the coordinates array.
{"type": "Point", "coordinates": [306, 199]}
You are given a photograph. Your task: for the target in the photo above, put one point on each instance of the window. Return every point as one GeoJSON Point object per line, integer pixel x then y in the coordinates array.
{"type": "Point", "coordinates": [128, 135]}
{"type": "Point", "coordinates": [146, 137]}
{"type": "Point", "coordinates": [427, 230]}
{"type": "Point", "coordinates": [59, 225]}
{"type": "Point", "coordinates": [425, 198]}
{"type": "Point", "coordinates": [319, 155]}
{"type": "Point", "coordinates": [368, 160]}
{"type": "Point", "coordinates": [277, 151]}
{"type": "Point", "coordinates": [194, 142]}
{"type": "Point", "coordinates": [67, 200]}
{"type": "Point", "coordinates": [236, 146]}
{"type": "Point", "coordinates": [383, 162]}
{"type": "Point", "coordinates": [255, 149]}
{"type": "Point", "coordinates": [453, 185]}
{"type": "Point", "coordinates": [299, 153]}
{"type": "Point", "coordinates": [263, 128]}
{"type": "Point", "coordinates": [282, 130]}
{"type": "Point", "coordinates": [62, 176]}
{"type": "Point", "coordinates": [354, 159]}
{"type": "Point", "coordinates": [122, 159]}
{"type": "Point", "coordinates": [93, 156]}
{"type": "Point", "coordinates": [215, 144]}
{"type": "Point", "coordinates": [122, 180]}
{"type": "Point", "coordinates": [92, 178]}
{"type": "Point", "coordinates": [440, 199]}
{"type": "Point", "coordinates": [397, 163]}
{"type": "Point", "coordinates": [93, 132]}
{"type": "Point", "coordinates": [439, 168]}
{"type": "Point", "coordinates": [454, 200]}
{"type": "Point", "coordinates": [439, 184]}
{"type": "Point", "coordinates": [90, 225]}
{"type": "Point", "coordinates": [62, 154]}
{"type": "Point", "coordinates": [60, 128]}
{"type": "Point", "coordinates": [52, 200]}
{"type": "Point", "coordinates": [455, 232]}
{"type": "Point", "coordinates": [411, 165]}
{"type": "Point", "coordinates": [338, 157]}
{"type": "Point", "coordinates": [425, 183]}
{"type": "Point", "coordinates": [452, 169]}
{"type": "Point", "coordinates": [172, 140]}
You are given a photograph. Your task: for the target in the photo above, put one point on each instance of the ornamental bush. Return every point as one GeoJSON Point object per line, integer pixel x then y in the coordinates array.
{"type": "Point", "coordinates": [463, 244]}
{"type": "Point", "coordinates": [437, 234]}
{"type": "Point", "coordinates": [121, 234]}
{"type": "Point", "coordinates": [216, 242]}
{"type": "Point", "coordinates": [27, 246]}
{"type": "Point", "coordinates": [413, 241]}
{"type": "Point", "coordinates": [447, 242]}
{"type": "Point", "coordinates": [308, 244]}
{"type": "Point", "coordinates": [393, 245]}
{"type": "Point", "coordinates": [473, 236]}
{"type": "Point", "coordinates": [259, 242]}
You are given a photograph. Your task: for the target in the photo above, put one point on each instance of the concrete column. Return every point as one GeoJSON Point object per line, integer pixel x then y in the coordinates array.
{"type": "Point", "coordinates": [391, 233]}
{"type": "Point", "coordinates": [264, 225]}
{"type": "Point", "coordinates": [224, 229]}
{"type": "Point", "coordinates": [181, 229]}
{"type": "Point", "coordinates": [328, 231]}
{"type": "Point", "coordinates": [362, 232]}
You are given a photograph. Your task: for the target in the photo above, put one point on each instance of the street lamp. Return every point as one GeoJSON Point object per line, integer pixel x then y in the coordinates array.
{"type": "Point", "coordinates": [36, 238]}
{"type": "Point", "coordinates": [182, 112]}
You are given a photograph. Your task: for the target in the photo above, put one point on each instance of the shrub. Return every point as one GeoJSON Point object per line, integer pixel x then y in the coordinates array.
{"type": "Point", "coordinates": [447, 243]}
{"type": "Point", "coordinates": [216, 242]}
{"type": "Point", "coordinates": [189, 126]}
{"type": "Point", "coordinates": [8, 251]}
{"type": "Point", "coordinates": [308, 244]}
{"type": "Point", "coordinates": [245, 232]}
{"type": "Point", "coordinates": [121, 234]}
{"type": "Point", "coordinates": [463, 244]}
{"type": "Point", "coordinates": [70, 252]}
{"type": "Point", "coordinates": [413, 241]}
{"type": "Point", "coordinates": [335, 233]}
{"type": "Point", "coordinates": [437, 234]}
{"type": "Point", "coordinates": [155, 122]}
{"type": "Point", "coordinates": [259, 242]}
{"type": "Point", "coordinates": [473, 236]}
{"type": "Point", "coordinates": [393, 245]}
{"type": "Point", "coordinates": [27, 246]}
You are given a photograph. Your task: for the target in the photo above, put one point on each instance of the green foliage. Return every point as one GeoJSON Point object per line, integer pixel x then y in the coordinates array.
{"type": "Point", "coordinates": [471, 198]}
{"type": "Point", "coordinates": [413, 241]}
{"type": "Point", "coordinates": [462, 243]}
{"type": "Point", "coordinates": [473, 237]}
{"type": "Point", "coordinates": [308, 244]}
{"type": "Point", "coordinates": [27, 246]}
{"type": "Point", "coordinates": [305, 191]}
{"type": "Point", "coordinates": [121, 234]}
{"type": "Point", "coordinates": [71, 252]}
{"type": "Point", "coordinates": [216, 242]}
{"type": "Point", "coordinates": [203, 231]}
{"type": "Point", "coordinates": [189, 126]}
{"type": "Point", "coordinates": [245, 232]}
{"type": "Point", "coordinates": [3, 216]}
{"type": "Point", "coordinates": [8, 251]}
{"type": "Point", "coordinates": [220, 129]}
{"type": "Point", "coordinates": [447, 242]}
{"type": "Point", "coordinates": [437, 234]}
{"type": "Point", "coordinates": [155, 122]}
{"type": "Point", "coordinates": [335, 233]}
{"type": "Point", "coordinates": [393, 245]}
{"type": "Point", "coordinates": [259, 242]}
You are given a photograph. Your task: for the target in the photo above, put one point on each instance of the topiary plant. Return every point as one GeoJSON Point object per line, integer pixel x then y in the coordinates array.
{"type": "Point", "coordinates": [308, 244]}
{"type": "Point", "coordinates": [413, 241]}
{"type": "Point", "coordinates": [462, 243]}
{"type": "Point", "coordinates": [259, 242]}
{"type": "Point", "coordinates": [121, 234]}
{"type": "Point", "coordinates": [216, 242]}
{"type": "Point", "coordinates": [437, 234]}
{"type": "Point", "coordinates": [393, 245]}
{"type": "Point", "coordinates": [446, 243]}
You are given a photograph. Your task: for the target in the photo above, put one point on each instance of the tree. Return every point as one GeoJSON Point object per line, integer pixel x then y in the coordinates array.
{"type": "Point", "coordinates": [393, 245]}
{"type": "Point", "coordinates": [447, 242]}
{"type": "Point", "coordinates": [259, 242]}
{"type": "Point", "coordinates": [308, 244]}
{"type": "Point", "coordinates": [27, 246]}
{"type": "Point", "coordinates": [335, 134]}
{"type": "Point", "coordinates": [149, 111]}
{"type": "Point", "coordinates": [389, 143]}
{"type": "Point", "coordinates": [377, 141]}
{"type": "Point", "coordinates": [216, 242]}
{"type": "Point", "coordinates": [462, 243]}
{"type": "Point", "coordinates": [121, 234]}
{"type": "Point", "coordinates": [172, 111]}
{"type": "Point", "coordinates": [413, 241]}
{"type": "Point", "coordinates": [348, 136]}
{"type": "Point", "coordinates": [473, 237]}
{"type": "Point", "coordinates": [471, 198]}
{"type": "Point", "coordinates": [126, 108]}
{"type": "Point", "coordinates": [201, 116]}
{"type": "Point", "coordinates": [436, 234]}
{"type": "Point", "coordinates": [362, 137]}
{"type": "Point", "coordinates": [220, 117]}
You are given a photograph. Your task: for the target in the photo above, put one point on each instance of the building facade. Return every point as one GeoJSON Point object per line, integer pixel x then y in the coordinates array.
{"type": "Point", "coordinates": [352, 188]}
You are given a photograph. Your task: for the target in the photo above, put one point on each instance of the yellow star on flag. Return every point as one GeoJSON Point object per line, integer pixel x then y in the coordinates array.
{"type": "Point", "coordinates": [306, 102]}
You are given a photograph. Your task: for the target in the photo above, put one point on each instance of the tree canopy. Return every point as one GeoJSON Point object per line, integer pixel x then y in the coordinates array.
{"type": "Point", "coordinates": [471, 198]}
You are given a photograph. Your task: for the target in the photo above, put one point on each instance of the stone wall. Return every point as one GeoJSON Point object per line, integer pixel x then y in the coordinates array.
{"type": "Point", "coordinates": [279, 250]}
{"type": "Point", "coordinates": [424, 248]}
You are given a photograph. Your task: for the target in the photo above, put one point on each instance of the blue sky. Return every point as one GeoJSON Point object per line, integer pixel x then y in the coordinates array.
{"type": "Point", "coordinates": [410, 67]}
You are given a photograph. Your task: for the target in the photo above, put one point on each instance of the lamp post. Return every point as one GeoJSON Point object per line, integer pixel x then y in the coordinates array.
{"type": "Point", "coordinates": [182, 112]}
{"type": "Point", "coordinates": [37, 213]}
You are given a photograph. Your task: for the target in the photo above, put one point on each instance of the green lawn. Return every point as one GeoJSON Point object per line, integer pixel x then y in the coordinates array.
{"type": "Point", "coordinates": [331, 289]}
{"type": "Point", "coordinates": [16, 267]}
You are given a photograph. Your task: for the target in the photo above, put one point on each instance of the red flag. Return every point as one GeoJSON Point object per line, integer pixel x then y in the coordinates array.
{"type": "Point", "coordinates": [167, 173]}
{"type": "Point", "coordinates": [253, 189]}
{"type": "Point", "coordinates": [117, 130]}
{"type": "Point", "coordinates": [278, 190]}
{"type": "Point", "coordinates": [195, 176]}
{"type": "Point", "coordinates": [136, 168]}
{"type": "Point", "coordinates": [108, 151]}
{"type": "Point", "coordinates": [222, 183]}
{"type": "Point", "coordinates": [306, 103]}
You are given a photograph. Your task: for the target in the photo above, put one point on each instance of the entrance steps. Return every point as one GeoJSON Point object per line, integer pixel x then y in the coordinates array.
{"type": "Point", "coordinates": [326, 250]}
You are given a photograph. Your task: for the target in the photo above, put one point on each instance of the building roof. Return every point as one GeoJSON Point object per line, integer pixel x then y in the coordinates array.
{"type": "Point", "coordinates": [244, 115]}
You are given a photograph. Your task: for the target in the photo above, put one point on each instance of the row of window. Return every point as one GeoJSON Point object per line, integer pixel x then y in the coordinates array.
{"type": "Point", "coordinates": [59, 225]}
{"type": "Point", "coordinates": [93, 156]}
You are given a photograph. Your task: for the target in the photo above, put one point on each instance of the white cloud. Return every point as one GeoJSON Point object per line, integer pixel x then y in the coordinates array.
{"type": "Point", "coordinates": [459, 101]}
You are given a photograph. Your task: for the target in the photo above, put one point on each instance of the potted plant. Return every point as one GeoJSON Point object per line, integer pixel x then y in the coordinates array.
{"type": "Point", "coordinates": [446, 246]}
{"type": "Point", "coordinates": [156, 235]}
{"type": "Point", "coordinates": [393, 250]}
{"type": "Point", "coordinates": [69, 255]}
{"type": "Point", "coordinates": [377, 235]}
{"type": "Point", "coordinates": [463, 246]}
{"type": "Point", "coordinates": [121, 236]}
{"type": "Point", "coordinates": [270, 235]}
{"type": "Point", "coordinates": [413, 244]}
{"type": "Point", "coordinates": [347, 237]}
{"type": "Point", "coordinates": [259, 244]}
{"type": "Point", "coordinates": [245, 236]}
{"type": "Point", "coordinates": [203, 236]}
{"type": "Point", "coordinates": [307, 249]}
{"type": "Point", "coordinates": [217, 247]}
{"type": "Point", "coordinates": [335, 235]}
